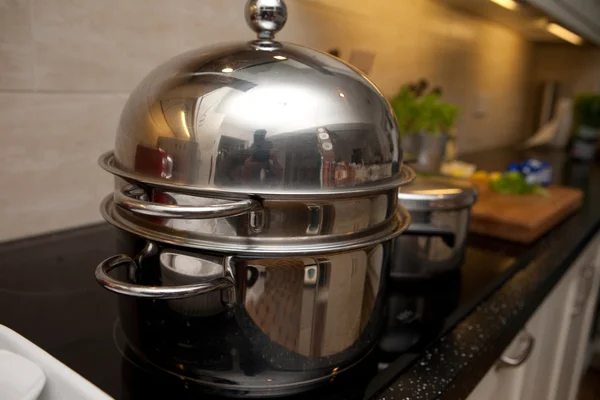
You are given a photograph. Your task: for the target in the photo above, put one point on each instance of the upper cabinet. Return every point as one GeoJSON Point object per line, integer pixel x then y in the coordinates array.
{"type": "Point", "coordinates": [586, 12]}
{"type": "Point", "coordinates": [542, 20]}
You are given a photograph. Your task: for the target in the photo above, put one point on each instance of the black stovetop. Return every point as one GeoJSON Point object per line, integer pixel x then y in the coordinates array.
{"type": "Point", "coordinates": [48, 294]}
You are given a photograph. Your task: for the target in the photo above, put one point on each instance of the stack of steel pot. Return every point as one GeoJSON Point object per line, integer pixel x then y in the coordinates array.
{"type": "Point", "coordinates": [256, 195]}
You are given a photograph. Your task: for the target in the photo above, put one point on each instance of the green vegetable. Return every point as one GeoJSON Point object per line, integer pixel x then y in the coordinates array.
{"type": "Point", "coordinates": [514, 183]}
{"type": "Point", "coordinates": [540, 191]}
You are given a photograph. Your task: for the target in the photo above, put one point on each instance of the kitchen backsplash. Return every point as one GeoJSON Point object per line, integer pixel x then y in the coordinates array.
{"type": "Point", "coordinates": [576, 68]}
{"type": "Point", "coordinates": [66, 69]}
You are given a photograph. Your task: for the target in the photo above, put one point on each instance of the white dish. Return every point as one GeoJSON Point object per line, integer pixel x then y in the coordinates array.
{"type": "Point", "coordinates": [20, 379]}
{"type": "Point", "coordinates": [61, 382]}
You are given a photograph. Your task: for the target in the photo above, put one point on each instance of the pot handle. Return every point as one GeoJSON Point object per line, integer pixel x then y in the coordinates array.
{"type": "Point", "coordinates": [448, 236]}
{"type": "Point", "coordinates": [158, 292]}
{"type": "Point", "coordinates": [130, 197]}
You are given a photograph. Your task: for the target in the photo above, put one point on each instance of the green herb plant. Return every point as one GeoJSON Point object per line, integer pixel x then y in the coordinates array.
{"type": "Point", "coordinates": [587, 110]}
{"type": "Point", "coordinates": [406, 108]}
{"type": "Point", "coordinates": [426, 113]}
{"type": "Point", "coordinates": [447, 117]}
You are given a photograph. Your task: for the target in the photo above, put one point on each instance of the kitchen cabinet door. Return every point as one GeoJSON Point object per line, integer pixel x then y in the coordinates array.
{"type": "Point", "coordinates": [505, 381]}
{"type": "Point", "coordinates": [522, 371]}
{"type": "Point", "coordinates": [547, 357]}
{"type": "Point", "coordinates": [545, 325]}
{"type": "Point", "coordinates": [575, 339]}
{"type": "Point", "coordinates": [585, 11]}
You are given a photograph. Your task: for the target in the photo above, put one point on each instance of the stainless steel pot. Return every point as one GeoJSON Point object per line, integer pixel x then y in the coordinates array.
{"type": "Point", "coordinates": [254, 146]}
{"type": "Point", "coordinates": [425, 150]}
{"type": "Point", "coordinates": [435, 241]}
{"type": "Point", "coordinates": [270, 226]}
{"type": "Point", "coordinates": [243, 325]}
{"type": "Point", "coordinates": [256, 186]}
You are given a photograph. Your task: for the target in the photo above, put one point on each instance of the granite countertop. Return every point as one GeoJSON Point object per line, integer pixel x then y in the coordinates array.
{"type": "Point", "coordinates": [453, 365]}
{"type": "Point", "coordinates": [49, 280]}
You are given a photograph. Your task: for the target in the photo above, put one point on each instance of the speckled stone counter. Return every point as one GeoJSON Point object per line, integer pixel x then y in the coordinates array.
{"type": "Point", "coordinates": [451, 366]}
{"type": "Point", "coordinates": [47, 286]}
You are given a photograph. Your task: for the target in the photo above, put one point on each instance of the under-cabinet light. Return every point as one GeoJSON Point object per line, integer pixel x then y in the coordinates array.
{"type": "Point", "coordinates": [508, 4]}
{"type": "Point", "coordinates": [564, 34]}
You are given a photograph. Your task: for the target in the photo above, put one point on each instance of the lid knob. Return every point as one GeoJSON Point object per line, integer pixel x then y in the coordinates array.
{"type": "Point", "coordinates": [266, 17]}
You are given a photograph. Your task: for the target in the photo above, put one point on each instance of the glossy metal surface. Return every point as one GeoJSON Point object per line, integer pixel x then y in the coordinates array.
{"type": "Point", "coordinates": [296, 321]}
{"type": "Point", "coordinates": [134, 199]}
{"type": "Point", "coordinates": [305, 225]}
{"type": "Point", "coordinates": [261, 117]}
{"type": "Point", "coordinates": [193, 215]}
{"type": "Point", "coordinates": [181, 268]}
{"type": "Point", "coordinates": [438, 193]}
{"type": "Point", "coordinates": [432, 151]}
{"type": "Point", "coordinates": [435, 242]}
{"type": "Point", "coordinates": [293, 156]}
{"type": "Point", "coordinates": [266, 17]}
{"type": "Point", "coordinates": [314, 228]}
{"type": "Point", "coordinates": [527, 343]}
{"type": "Point", "coordinates": [107, 162]}
{"type": "Point", "coordinates": [279, 218]}
{"type": "Point", "coordinates": [154, 292]}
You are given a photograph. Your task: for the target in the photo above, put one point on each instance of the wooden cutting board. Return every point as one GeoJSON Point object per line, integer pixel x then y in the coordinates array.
{"type": "Point", "coordinates": [521, 218]}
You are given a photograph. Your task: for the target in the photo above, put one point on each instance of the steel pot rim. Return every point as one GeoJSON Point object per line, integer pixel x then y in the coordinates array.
{"type": "Point", "coordinates": [404, 177]}
{"type": "Point", "coordinates": [438, 192]}
{"type": "Point", "coordinates": [392, 228]}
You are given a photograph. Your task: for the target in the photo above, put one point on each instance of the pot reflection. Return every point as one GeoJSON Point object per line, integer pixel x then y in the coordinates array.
{"type": "Point", "coordinates": [417, 312]}
{"type": "Point", "coordinates": [142, 380]}
{"type": "Point", "coordinates": [326, 302]}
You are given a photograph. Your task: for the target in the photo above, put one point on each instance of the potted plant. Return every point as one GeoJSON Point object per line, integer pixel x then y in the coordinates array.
{"type": "Point", "coordinates": [587, 126]}
{"type": "Point", "coordinates": [406, 108]}
{"type": "Point", "coordinates": [437, 122]}
{"type": "Point", "coordinates": [425, 124]}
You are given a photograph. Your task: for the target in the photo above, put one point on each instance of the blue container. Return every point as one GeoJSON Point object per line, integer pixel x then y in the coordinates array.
{"type": "Point", "coordinates": [535, 171]}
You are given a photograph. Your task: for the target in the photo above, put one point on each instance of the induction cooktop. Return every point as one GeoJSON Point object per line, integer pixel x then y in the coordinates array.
{"type": "Point", "coordinates": [49, 295]}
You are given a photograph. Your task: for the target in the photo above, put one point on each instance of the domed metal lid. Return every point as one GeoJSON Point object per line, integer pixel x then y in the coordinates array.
{"type": "Point", "coordinates": [429, 192]}
{"type": "Point", "coordinates": [261, 117]}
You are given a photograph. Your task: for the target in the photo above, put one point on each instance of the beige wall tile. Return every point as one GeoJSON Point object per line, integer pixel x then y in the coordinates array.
{"type": "Point", "coordinates": [78, 50]}
{"type": "Point", "coordinates": [466, 56]}
{"type": "Point", "coordinates": [16, 46]}
{"type": "Point", "coordinates": [107, 45]}
{"type": "Point", "coordinates": [212, 21]}
{"type": "Point", "coordinates": [498, 74]}
{"type": "Point", "coordinates": [577, 69]}
{"type": "Point", "coordinates": [48, 163]}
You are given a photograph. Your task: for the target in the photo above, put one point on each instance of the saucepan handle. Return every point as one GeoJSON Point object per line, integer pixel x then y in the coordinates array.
{"type": "Point", "coordinates": [130, 197]}
{"type": "Point", "coordinates": [447, 235]}
{"type": "Point", "coordinates": [158, 292]}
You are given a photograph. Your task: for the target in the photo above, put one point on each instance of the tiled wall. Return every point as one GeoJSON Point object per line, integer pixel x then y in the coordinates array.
{"type": "Point", "coordinates": [67, 66]}
{"type": "Point", "coordinates": [577, 68]}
